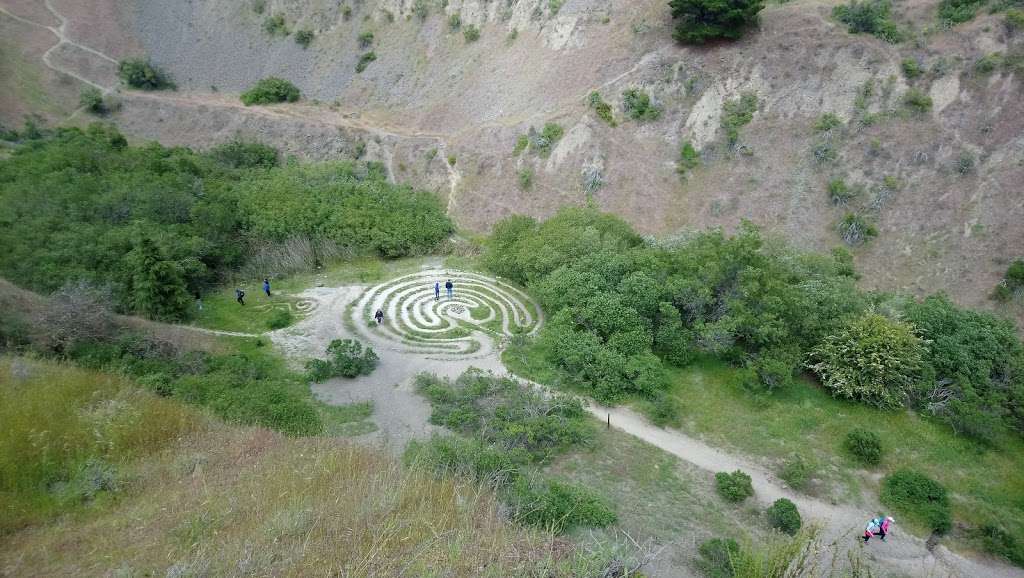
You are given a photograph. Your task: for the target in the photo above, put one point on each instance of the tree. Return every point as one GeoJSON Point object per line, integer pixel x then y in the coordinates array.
{"type": "Point", "coordinates": [873, 359]}
{"type": "Point", "coordinates": [139, 73]}
{"type": "Point", "coordinates": [703, 20]}
{"type": "Point", "coordinates": [271, 90]}
{"type": "Point", "coordinates": [156, 284]}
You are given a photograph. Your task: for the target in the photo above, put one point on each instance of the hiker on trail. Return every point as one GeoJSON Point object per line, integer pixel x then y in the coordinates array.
{"type": "Point", "coordinates": [878, 527]}
{"type": "Point", "coordinates": [448, 286]}
{"type": "Point", "coordinates": [437, 290]}
{"type": "Point", "coordinates": [266, 286]}
{"type": "Point", "coordinates": [240, 296]}
{"type": "Point", "coordinates": [379, 316]}
{"type": "Point", "coordinates": [199, 301]}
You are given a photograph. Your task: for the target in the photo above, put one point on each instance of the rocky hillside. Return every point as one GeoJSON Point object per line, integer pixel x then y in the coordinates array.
{"type": "Point", "coordinates": [920, 142]}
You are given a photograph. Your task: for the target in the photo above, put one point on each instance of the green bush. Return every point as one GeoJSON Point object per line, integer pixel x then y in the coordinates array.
{"type": "Point", "coordinates": [304, 38]}
{"type": "Point", "coordinates": [717, 558]}
{"type": "Point", "coordinates": [783, 516]}
{"type": "Point", "coordinates": [840, 193]}
{"type": "Point", "coordinates": [239, 154]}
{"type": "Point", "coordinates": [911, 68]}
{"type": "Point", "coordinates": [468, 458]}
{"type": "Point", "coordinates": [918, 497]}
{"type": "Point", "coordinates": [558, 507]}
{"type": "Point", "coordinates": [1012, 283]}
{"type": "Point", "coordinates": [989, 63]}
{"type": "Point", "coordinates": [602, 109]}
{"type": "Point", "coordinates": [319, 370]}
{"type": "Point", "coordinates": [454, 22]}
{"type": "Point", "coordinates": [351, 358]}
{"type": "Point", "coordinates": [734, 487]}
{"type": "Point", "coordinates": [92, 100]}
{"type": "Point", "coordinates": [1015, 20]}
{"type": "Point", "coordinates": [637, 105]}
{"type": "Point", "coordinates": [270, 90]}
{"type": "Point", "coordinates": [796, 472]}
{"type": "Point", "coordinates": [275, 25]}
{"type": "Point", "coordinates": [699, 21]}
{"type": "Point", "coordinates": [522, 141]}
{"type": "Point", "coordinates": [865, 445]}
{"type": "Point", "coordinates": [957, 11]}
{"type": "Point", "coordinates": [139, 73]}
{"type": "Point", "coordinates": [827, 121]}
{"type": "Point", "coordinates": [689, 158]}
{"type": "Point", "coordinates": [856, 229]}
{"type": "Point", "coordinates": [365, 39]}
{"type": "Point", "coordinates": [526, 179]}
{"type": "Point", "coordinates": [872, 359]}
{"type": "Point", "coordinates": [279, 319]}
{"type": "Point", "coordinates": [869, 17]}
{"type": "Point", "coordinates": [965, 163]}
{"type": "Point", "coordinates": [365, 61]}
{"type": "Point", "coordinates": [736, 114]}
{"type": "Point", "coordinates": [917, 101]}
{"type": "Point", "coordinates": [997, 541]}
{"type": "Point", "coordinates": [471, 33]}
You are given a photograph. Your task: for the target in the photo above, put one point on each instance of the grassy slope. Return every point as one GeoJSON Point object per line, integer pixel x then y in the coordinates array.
{"type": "Point", "coordinates": [986, 486]}
{"type": "Point", "coordinates": [221, 500]}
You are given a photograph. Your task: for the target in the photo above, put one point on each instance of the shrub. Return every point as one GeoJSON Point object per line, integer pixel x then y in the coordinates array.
{"type": "Point", "coordinates": [699, 21]}
{"type": "Point", "coordinates": [319, 370]}
{"type": "Point", "coordinates": [275, 25]}
{"type": "Point", "coordinates": [865, 445]}
{"type": "Point", "coordinates": [91, 99]}
{"type": "Point", "coordinates": [840, 193]}
{"type": "Point", "coordinates": [918, 497]}
{"type": "Point", "coordinates": [279, 319]}
{"type": "Point", "coordinates": [139, 73]}
{"type": "Point", "coordinates": [470, 458]}
{"type": "Point", "coordinates": [637, 105]}
{"type": "Point", "coordinates": [421, 9]}
{"type": "Point", "coordinates": [717, 558]}
{"type": "Point", "coordinates": [522, 141]}
{"type": "Point", "coordinates": [736, 114]}
{"type": "Point", "coordinates": [957, 11]}
{"type": "Point", "coordinates": [996, 540]}
{"type": "Point", "coordinates": [79, 312]}
{"type": "Point", "coordinates": [351, 359]}
{"type": "Point", "coordinates": [917, 101]}
{"type": "Point", "coordinates": [365, 39]}
{"type": "Point", "coordinates": [965, 163]}
{"type": "Point", "coordinates": [1015, 20]}
{"type": "Point", "coordinates": [689, 158]}
{"type": "Point", "coordinates": [258, 6]}
{"type": "Point", "coordinates": [856, 229]}
{"type": "Point", "coordinates": [989, 63]}
{"type": "Point", "coordinates": [526, 179]}
{"type": "Point", "coordinates": [270, 90]}
{"type": "Point", "coordinates": [825, 152]}
{"type": "Point", "coordinates": [734, 487]}
{"type": "Point", "coordinates": [557, 507]}
{"type": "Point", "coordinates": [602, 109]}
{"type": "Point", "coordinates": [540, 142]}
{"type": "Point", "coordinates": [1012, 283]}
{"type": "Point", "coordinates": [239, 154]}
{"type": "Point", "coordinates": [471, 33]}
{"type": "Point", "coordinates": [869, 17]}
{"type": "Point", "coordinates": [783, 516]}
{"type": "Point", "coordinates": [304, 38]}
{"type": "Point", "coordinates": [827, 122]}
{"type": "Point", "coordinates": [796, 472]}
{"type": "Point", "coordinates": [872, 359]}
{"type": "Point", "coordinates": [911, 68]}
{"type": "Point", "coordinates": [454, 22]}
{"type": "Point", "coordinates": [365, 61]}
{"type": "Point", "coordinates": [452, 160]}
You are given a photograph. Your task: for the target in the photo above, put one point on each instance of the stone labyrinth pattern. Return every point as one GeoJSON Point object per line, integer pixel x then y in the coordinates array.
{"type": "Point", "coordinates": [481, 315]}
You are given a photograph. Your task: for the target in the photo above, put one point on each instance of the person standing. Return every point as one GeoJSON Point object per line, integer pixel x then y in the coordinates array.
{"type": "Point", "coordinates": [379, 316]}
{"type": "Point", "coordinates": [199, 301]}
{"type": "Point", "coordinates": [240, 296]}
{"type": "Point", "coordinates": [437, 290]}
{"type": "Point", "coordinates": [448, 287]}
{"type": "Point", "coordinates": [266, 286]}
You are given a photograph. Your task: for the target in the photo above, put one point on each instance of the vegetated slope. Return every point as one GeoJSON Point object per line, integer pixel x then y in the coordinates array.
{"type": "Point", "coordinates": [446, 112]}
{"type": "Point", "coordinates": [157, 487]}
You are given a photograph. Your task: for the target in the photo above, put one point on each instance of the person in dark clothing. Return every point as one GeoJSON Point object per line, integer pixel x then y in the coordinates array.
{"type": "Point", "coordinates": [199, 301]}
{"type": "Point", "coordinates": [437, 290]}
{"type": "Point", "coordinates": [379, 316]}
{"type": "Point", "coordinates": [240, 296]}
{"type": "Point", "coordinates": [448, 286]}
{"type": "Point", "coordinates": [266, 287]}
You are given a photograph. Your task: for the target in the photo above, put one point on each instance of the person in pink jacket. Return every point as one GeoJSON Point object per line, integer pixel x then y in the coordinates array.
{"type": "Point", "coordinates": [878, 527]}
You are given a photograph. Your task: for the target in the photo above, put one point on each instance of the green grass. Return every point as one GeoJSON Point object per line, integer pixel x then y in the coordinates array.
{"type": "Point", "coordinates": [347, 420]}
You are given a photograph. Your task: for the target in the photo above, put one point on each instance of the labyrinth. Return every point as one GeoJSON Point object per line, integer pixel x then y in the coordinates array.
{"type": "Point", "coordinates": [482, 313]}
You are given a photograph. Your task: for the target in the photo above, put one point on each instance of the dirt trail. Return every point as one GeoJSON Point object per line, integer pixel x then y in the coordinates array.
{"type": "Point", "coordinates": [416, 337]}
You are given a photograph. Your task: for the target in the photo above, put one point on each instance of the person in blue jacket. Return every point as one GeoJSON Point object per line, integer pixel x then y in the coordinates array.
{"type": "Point", "coordinates": [266, 286]}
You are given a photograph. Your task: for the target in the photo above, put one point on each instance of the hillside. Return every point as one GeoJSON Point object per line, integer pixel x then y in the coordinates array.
{"type": "Point", "coordinates": [431, 96]}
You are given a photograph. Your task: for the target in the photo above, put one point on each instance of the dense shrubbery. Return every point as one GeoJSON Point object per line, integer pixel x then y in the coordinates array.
{"type": "Point", "coordinates": [508, 428]}
{"type": "Point", "coordinates": [797, 472]}
{"type": "Point", "coordinates": [637, 105]}
{"type": "Point", "coordinates": [364, 60]}
{"type": "Point", "coordinates": [1012, 284]}
{"type": "Point", "coordinates": [783, 516]}
{"type": "Point", "coordinates": [304, 38]}
{"type": "Point", "coordinates": [270, 90]}
{"type": "Point", "coordinates": [702, 20]}
{"type": "Point", "coordinates": [918, 497]}
{"type": "Point", "coordinates": [865, 445]}
{"type": "Point", "coordinates": [139, 73]}
{"type": "Point", "coordinates": [734, 487]}
{"type": "Point", "coordinates": [602, 109]}
{"type": "Point", "coordinates": [736, 114]}
{"type": "Point", "coordinates": [157, 224]}
{"type": "Point", "coordinates": [92, 100]}
{"type": "Point", "coordinates": [873, 359]}
{"type": "Point", "coordinates": [718, 557]}
{"type": "Point", "coordinates": [957, 11]}
{"type": "Point", "coordinates": [869, 17]}
{"type": "Point", "coordinates": [347, 358]}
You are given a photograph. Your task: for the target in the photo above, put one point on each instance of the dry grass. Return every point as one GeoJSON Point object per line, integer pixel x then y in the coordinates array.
{"type": "Point", "coordinates": [231, 501]}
